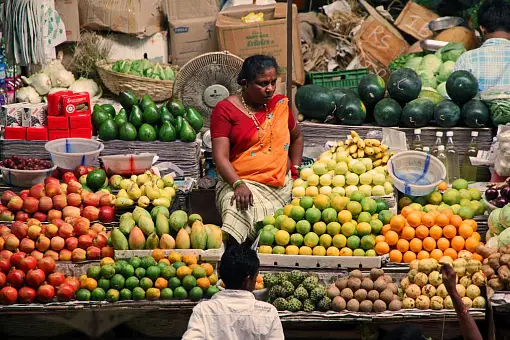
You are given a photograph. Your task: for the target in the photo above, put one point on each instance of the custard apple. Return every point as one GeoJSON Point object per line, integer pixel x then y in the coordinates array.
{"type": "Point", "coordinates": [301, 293]}
{"type": "Point", "coordinates": [294, 305]}
{"type": "Point", "coordinates": [296, 277]}
{"type": "Point", "coordinates": [324, 304]}
{"type": "Point", "coordinates": [280, 304]}
{"type": "Point", "coordinates": [308, 305]}
{"type": "Point", "coordinates": [317, 293]}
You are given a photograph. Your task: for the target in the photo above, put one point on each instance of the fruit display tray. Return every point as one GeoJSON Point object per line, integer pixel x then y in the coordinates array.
{"type": "Point", "coordinates": [210, 255]}
{"type": "Point", "coordinates": [331, 262]}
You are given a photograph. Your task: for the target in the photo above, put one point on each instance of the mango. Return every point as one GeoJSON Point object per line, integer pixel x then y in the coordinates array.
{"type": "Point", "coordinates": [178, 220]}
{"type": "Point", "coordinates": [119, 241]}
{"type": "Point", "coordinates": [136, 239]}
{"type": "Point", "coordinates": [126, 224]}
{"type": "Point", "coordinates": [162, 226]}
{"type": "Point", "coordinates": [194, 217]}
{"type": "Point", "coordinates": [146, 224]}
{"type": "Point", "coordinates": [198, 236]}
{"type": "Point", "coordinates": [182, 241]}
{"type": "Point", "coordinates": [166, 242]}
{"type": "Point", "coordinates": [139, 212]}
{"type": "Point", "coordinates": [214, 236]}
{"type": "Point", "coordinates": [152, 241]}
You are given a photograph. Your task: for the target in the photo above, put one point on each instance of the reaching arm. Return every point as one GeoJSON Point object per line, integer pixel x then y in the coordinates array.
{"type": "Point", "coordinates": [296, 146]}
{"type": "Point", "coordinates": [196, 326]}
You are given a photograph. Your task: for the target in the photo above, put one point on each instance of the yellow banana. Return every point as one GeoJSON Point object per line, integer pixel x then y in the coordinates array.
{"type": "Point", "coordinates": [355, 139]}
{"type": "Point", "coordinates": [361, 144]}
{"type": "Point", "coordinates": [377, 163]}
{"type": "Point", "coordinates": [348, 142]}
{"type": "Point", "coordinates": [379, 155]}
{"type": "Point", "coordinates": [377, 149]}
{"type": "Point", "coordinates": [376, 142]}
{"type": "Point", "coordinates": [368, 142]}
{"type": "Point", "coordinates": [369, 151]}
{"type": "Point", "coordinates": [385, 158]}
{"type": "Point", "coordinates": [340, 143]}
{"type": "Point", "coordinates": [384, 148]}
{"type": "Point", "coordinates": [353, 148]}
{"type": "Point", "coordinates": [354, 155]}
{"type": "Point", "coordinates": [354, 134]}
{"type": "Point", "coordinates": [361, 153]}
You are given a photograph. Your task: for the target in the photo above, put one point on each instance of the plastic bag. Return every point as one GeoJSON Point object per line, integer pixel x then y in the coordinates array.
{"type": "Point", "coordinates": [252, 17]}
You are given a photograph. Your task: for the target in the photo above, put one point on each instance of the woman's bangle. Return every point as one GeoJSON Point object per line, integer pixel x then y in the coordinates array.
{"type": "Point", "coordinates": [237, 183]}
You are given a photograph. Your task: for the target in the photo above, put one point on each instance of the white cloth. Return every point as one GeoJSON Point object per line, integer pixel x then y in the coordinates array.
{"type": "Point", "coordinates": [234, 315]}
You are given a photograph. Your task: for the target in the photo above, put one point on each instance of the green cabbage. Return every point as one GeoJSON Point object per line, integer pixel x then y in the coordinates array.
{"type": "Point", "coordinates": [493, 242]}
{"type": "Point", "coordinates": [452, 51]}
{"type": "Point", "coordinates": [430, 63]}
{"type": "Point", "coordinates": [494, 226]}
{"type": "Point", "coordinates": [441, 89]}
{"type": "Point", "coordinates": [504, 216]}
{"type": "Point", "coordinates": [445, 70]}
{"type": "Point", "coordinates": [413, 63]}
{"type": "Point", "coordinates": [504, 238]}
{"type": "Point", "coordinates": [427, 78]}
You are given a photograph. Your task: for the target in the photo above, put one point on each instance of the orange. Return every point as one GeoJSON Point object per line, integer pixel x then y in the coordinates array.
{"type": "Point", "coordinates": [382, 248]}
{"type": "Point", "coordinates": [443, 244]}
{"type": "Point", "coordinates": [429, 244]}
{"type": "Point", "coordinates": [190, 259]}
{"type": "Point", "coordinates": [165, 261]}
{"type": "Point", "coordinates": [391, 238]}
{"type": "Point", "coordinates": [472, 223]}
{"type": "Point", "coordinates": [161, 283]}
{"type": "Point", "coordinates": [203, 283]}
{"type": "Point", "coordinates": [465, 230]}
{"type": "Point", "coordinates": [449, 231]}
{"type": "Point", "coordinates": [423, 255]}
{"type": "Point", "coordinates": [458, 243]}
{"type": "Point", "coordinates": [414, 218]}
{"type": "Point", "coordinates": [89, 284]}
{"type": "Point", "coordinates": [193, 266]}
{"type": "Point", "coordinates": [183, 271]}
{"type": "Point", "coordinates": [403, 245]}
{"type": "Point", "coordinates": [408, 233]}
{"type": "Point", "coordinates": [456, 220]}
{"type": "Point", "coordinates": [415, 245]}
{"type": "Point", "coordinates": [442, 186]}
{"type": "Point", "coordinates": [442, 220]}
{"type": "Point", "coordinates": [447, 211]}
{"type": "Point", "coordinates": [471, 244]}
{"type": "Point", "coordinates": [380, 238]}
{"type": "Point", "coordinates": [158, 254]}
{"type": "Point", "coordinates": [409, 256]}
{"type": "Point", "coordinates": [385, 229]}
{"type": "Point", "coordinates": [436, 232]}
{"type": "Point", "coordinates": [422, 232]}
{"type": "Point", "coordinates": [436, 254]}
{"type": "Point", "coordinates": [476, 236]}
{"type": "Point", "coordinates": [406, 211]}
{"type": "Point", "coordinates": [450, 252]}
{"type": "Point", "coordinates": [175, 257]}
{"type": "Point", "coordinates": [427, 220]}
{"type": "Point", "coordinates": [395, 256]}
{"type": "Point", "coordinates": [397, 223]}
{"type": "Point", "coordinates": [478, 257]}
{"type": "Point", "coordinates": [209, 269]}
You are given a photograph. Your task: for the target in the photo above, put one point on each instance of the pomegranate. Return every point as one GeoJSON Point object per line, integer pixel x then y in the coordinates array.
{"type": "Point", "coordinates": [26, 295]}
{"type": "Point", "coordinates": [47, 265]}
{"type": "Point", "coordinates": [35, 278]}
{"type": "Point", "coordinates": [16, 278]}
{"type": "Point", "coordinates": [8, 295]}
{"type": "Point", "coordinates": [45, 293]}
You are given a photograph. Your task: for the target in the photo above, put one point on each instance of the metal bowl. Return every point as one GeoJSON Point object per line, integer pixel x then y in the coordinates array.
{"type": "Point", "coordinates": [432, 45]}
{"type": "Point", "coordinates": [445, 23]}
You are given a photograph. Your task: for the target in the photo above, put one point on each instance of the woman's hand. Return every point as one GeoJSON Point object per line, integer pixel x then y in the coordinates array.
{"type": "Point", "coordinates": [449, 278]}
{"type": "Point", "coordinates": [243, 197]}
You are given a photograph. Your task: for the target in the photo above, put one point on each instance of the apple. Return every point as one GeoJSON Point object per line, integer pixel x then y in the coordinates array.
{"type": "Point", "coordinates": [107, 200]}
{"type": "Point", "coordinates": [65, 255]}
{"type": "Point", "coordinates": [19, 229]}
{"type": "Point", "coordinates": [16, 258]}
{"type": "Point", "coordinates": [51, 230]}
{"type": "Point", "coordinates": [74, 282]}
{"type": "Point", "coordinates": [53, 189]}
{"type": "Point", "coordinates": [24, 194]}
{"type": "Point", "coordinates": [4, 230]}
{"type": "Point", "coordinates": [6, 254]}
{"type": "Point", "coordinates": [27, 245]}
{"type": "Point", "coordinates": [6, 216]}
{"type": "Point", "coordinates": [106, 214]}
{"type": "Point", "coordinates": [37, 191]}
{"type": "Point", "coordinates": [68, 177]}
{"type": "Point", "coordinates": [100, 241]}
{"type": "Point", "coordinates": [90, 199]}
{"type": "Point", "coordinates": [33, 221]}
{"type": "Point", "coordinates": [51, 180]}
{"type": "Point", "coordinates": [93, 253]}
{"type": "Point", "coordinates": [70, 211]}
{"type": "Point", "coordinates": [6, 197]}
{"type": "Point", "coordinates": [45, 204]}
{"type": "Point", "coordinates": [66, 230]}
{"type": "Point", "coordinates": [27, 263]}
{"type": "Point", "coordinates": [15, 203]}
{"type": "Point", "coordinates": [79, 255]}
{"type": "Point", "coordinates": [21, 216]}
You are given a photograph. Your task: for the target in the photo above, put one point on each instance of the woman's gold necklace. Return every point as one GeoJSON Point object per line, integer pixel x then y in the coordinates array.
{"type": "Point", "coordinates": [258, 126]}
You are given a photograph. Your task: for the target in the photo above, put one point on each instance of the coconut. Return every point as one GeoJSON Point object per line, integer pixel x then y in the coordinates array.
{"type": "Point", "coordinates": [379, 306]}
{"type": "Point", "coordinates": [367, 284]}
{"type": "Point", "coordinates": [338, 304]}
{"type": "Point", "coordinates": [365, 306]}
{"type": "Point", "coordinates": [360, 295]}
{"type": "Point", "coordinates": [353, 305]}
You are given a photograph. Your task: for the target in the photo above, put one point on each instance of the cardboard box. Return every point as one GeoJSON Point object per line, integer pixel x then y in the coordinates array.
{"type": "Point", "coordinates": [81, 133]}
{"type": "Point", "coordinates": [68, 11]}
{"type": "Point", "coordinates": [142, 18]}
{"type": "Point", "coordinates": [15, 132]}
{"type": "Point", "coordinates": [414, 20]}
{"type": "Point", "coordinates": [80, 121]}
{"type": "Point", "coordinates": [190, 38]}
{"type": "Point", "coordinates": [37, 133]}
{"type": "Point", "coordinates": [57, 134]}
{"type": "Point", "coordinates": [267, 37]}
{"type": "Point", "coordinates": [189, 9]}
{"type": "Point", "coordinates": [58, 123]}
{"type": "Point", "coordinates": [125, 47]}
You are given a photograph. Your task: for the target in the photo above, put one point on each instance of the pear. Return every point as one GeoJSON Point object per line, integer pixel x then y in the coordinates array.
{"type": "Point", "coordinates": [158, 183]}
{"type": "Point", "coordinates": [125, 184]}
{"type": "Point", "coordinates": [133, 178]}
{"type": "Point", "coordinates": [142, 179]}
{"type": "Point", "coordinates": [168, 180]}
{"type": "Point", "coordinates": [152, 193]}
{"type": "Point", "coordinates": [123, 202]}
{"type": "Point", "coordinates": [122, 194]}
{"type": "Point", "coordinates": [164, 194]}
{"type": "Point", "coordinates": [170, 191]}
{"type": "Point", "coordinates": [162, 201]}
{"type": "Point", "coordinates": [134, 192]}
{"type": "Point", "coordinates": [144, 201]}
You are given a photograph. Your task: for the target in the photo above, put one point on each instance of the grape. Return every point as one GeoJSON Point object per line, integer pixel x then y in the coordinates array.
{"type": "Point", "coordinates": [25, 163]}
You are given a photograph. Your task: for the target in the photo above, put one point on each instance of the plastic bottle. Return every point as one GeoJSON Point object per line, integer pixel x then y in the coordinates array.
{"type": "Point", "coordinates": [453, 158]}
{"type": "Point", "coordinates": [439, 137]}
{"type": "Point", "coordinates": [426, 149]}
{"type": "Point", "coordinates": [417, 144]}
{"type": "Point", "coordinates": [469, 170]}
{"type": "Point", "coordinates": [441, 155]}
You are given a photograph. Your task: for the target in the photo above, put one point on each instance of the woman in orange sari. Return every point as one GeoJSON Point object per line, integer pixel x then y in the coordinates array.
{"type": "Point", "coordinates": [256, 146]}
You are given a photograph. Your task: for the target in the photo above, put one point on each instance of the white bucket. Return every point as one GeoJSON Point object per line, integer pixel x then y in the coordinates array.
{"type": "Point", "coordinates": [128, 164]}
{"type": "Point", "coordinates": [25, 178]}
{"type": "Point", "coordinates": [68, 153]}
{"type": "Point", "coordinates": [416, 173]}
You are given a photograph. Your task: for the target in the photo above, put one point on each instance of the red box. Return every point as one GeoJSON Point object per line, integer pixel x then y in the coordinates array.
{"type": "Point", "coordinates": [75, 104]}
{"type": "Point", "coordinates": [54, 102]}
{"type": "Point", "coordinates": [79, 122]}
{"type": "Point", "coordinates": [81, 133]}
{"type": "Point", "coordinates": [15, 132]}
{"type": "Point", "coordinates": [37, 133]}
{"type": "Point", "coordinates": [56, 134]}
{"type": "Point", "coordinates": [58, 123]}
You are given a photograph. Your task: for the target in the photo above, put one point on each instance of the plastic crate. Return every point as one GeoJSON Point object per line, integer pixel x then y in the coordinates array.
{"type": "Point", "coordinates": [346, 79]}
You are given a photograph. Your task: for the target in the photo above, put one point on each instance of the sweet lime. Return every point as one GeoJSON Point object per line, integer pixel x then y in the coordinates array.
{"type": "Point", "coordinates": [297, 213]}
{"type": "Point", "coordinates": [153, 272]}
{"type": "Point", "coordinates": [104, 284]}
{"type": "Point", "coordinates": [279, 220]}
{"type": "Point", "coordinates": [325, 240]}
{"type": "Point", "coordinates": [168, 272]}
{"type": "Point", "coordinates": [83, 295]}
{"type": "Point", "coordinates": [376, 226]}
{"type": "Point", "coordinates": [128, 271]}
{"type": "Point", "coordinates": [381, 205]}
{"type": "Point", "coordinates": [94, 272]}
{"type": "Point", "coordinates": [385, 216]}
{"type": "Point", "coordinates": [145, 283]}
{"type": "Point", "coordinates": [354, 207]}
{"type": "Point", "coordinates": [339, 241]}
{"type": "Point", "coordinates": [367, 242]}
{"type": "Point", "coordinates": [348, 229]}
{"type": "Point", "coordinates": [358, 252]}
{"type": "Point", "coordinates": [282, 237]}
{"type": "Point", "coordinates": [167, 294]}
{"type": "Point", "coordinates": [357, 196]}
{"type": "Point", "coordinates": [196, 293]}
{"type": "Point", "coordinates": [140, 272]}
{"type": "Point", "coordinates": [112, 295]}
{"type": "Point", "coordinates": [107, 271]}
{"type": "Point", "coordinates": [289, 224]}
{"type": "Point", "coordinates": [117, 282]}
{"type": "Point", "coordinates": [311, 240]}
{"type": "Point", "coordinates": [303, 227]}
{"type": "Point", "coordinates": [296, 239]}
{"type": "Point", "coordinates": [277, 250]}
{"type": "Point", "coordinates": [152, 294]}
{"type": "Point", "coordinates": [364, 217]}
{"type": "Point", "coordinates": [131, 283]}
{"type": "Point", "coordinates": [460, 184]}
{"type": "Point", "coordinates": [329, 215]}
{"type": "Point", "coordinates": [268, 220]}
{"type": "Point", "coordinates": [313, 215]}
{"type": "Point", "coordinates": [178, 264]}
{"type": "Point", "coordinates": [147, 261]}
{"type": "Point", "coordinates": [138, 293]}
{"type": "Point", "coordinates": [211, 291]}
{"type": "Point", "coordinates": [98, 294]}
{"type": "Point", "coordinates": [174, 282]}
{"type": "Point", "coordinates": [306, 202]}
{"type": "Point", "coordinates": [321, 202]}
{"type": "Point", "coordinates": [188, 282]}
{"type": "Point", "coordinates": [319, 228]}
{"type": "Point", "coordinates": [353, 242]}
{"type": "Point", "coordinates": [125, 294]}
{"type": "Point", "coordinates": [363, 229]}
{"type": "Point", "coordinates": [333, 228]}
{"type": "Point", "coordinates": [369, 205]}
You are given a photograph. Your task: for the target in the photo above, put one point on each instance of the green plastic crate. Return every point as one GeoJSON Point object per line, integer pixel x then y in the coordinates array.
{"type": "Point", "coordinates": [346, 79]}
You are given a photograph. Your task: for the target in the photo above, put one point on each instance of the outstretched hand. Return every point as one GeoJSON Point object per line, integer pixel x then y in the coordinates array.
{"type": "Point", "coordinates": [449, 278]}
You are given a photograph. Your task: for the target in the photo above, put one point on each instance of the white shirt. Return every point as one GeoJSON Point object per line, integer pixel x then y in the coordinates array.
{"type": "Point", "coordinates": [234, 315]}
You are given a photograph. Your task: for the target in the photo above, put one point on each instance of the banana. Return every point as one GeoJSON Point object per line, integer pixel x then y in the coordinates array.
{"type": "Point", "coordinates": [348, 142]}
{"type": "Point", "coordinates": [369, 151]}
{"type": "Point", "coordinates": [377, 163]}
{"type": "Point", "coordinates": [376, 142]}
{"type": "Point", "coordinates": [354, 134]}
{"type": "Point", "coordinates": [353, 148]}
{"type": "Point", "coordinates": [368, 142]}
{"type": "Point", "coordinates": [377, 149]}
{"type": "Point", "coordinates": [354, 155]}
{"type": "Point", "coordinates": [385, 158]}
{"type": "Point", "coordinates": [361, 153]}
{"type": "Point", "coordinates": [361, 144]}
{"type": "Point", "coordinates": [384, 148]}
{"type": "Point", "coordinates": [379, 155]}
{"type": "Point", "coordinates": [356, 139]}
{"type": "Point", "coordinates": [340, 143]}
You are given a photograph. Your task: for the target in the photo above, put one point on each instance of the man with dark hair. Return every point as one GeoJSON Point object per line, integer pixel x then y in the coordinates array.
{"type": "Point", "coordinates": [490, 63]}
{"type": "Point", "coordinates": [234, 313]}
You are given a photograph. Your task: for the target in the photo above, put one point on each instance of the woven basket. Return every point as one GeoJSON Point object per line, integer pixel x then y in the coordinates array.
{"type": "Point", "coordinates": [116, 82]}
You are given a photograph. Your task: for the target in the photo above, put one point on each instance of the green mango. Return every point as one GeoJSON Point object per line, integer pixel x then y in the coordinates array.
{"type": "Point", "coordinates": [127, 131]}
{"type": "Point", "coordinates": [152, 241]}
{"type": "Point", "coordinates": [135, 117]}
{"type": "Point", "coordinates": [147, 133]}
{"type": "Point", "coordinates": [121, 117]}
{"type": "Point", "coordinates": [166, 115]}
{"type": "Point", "coordinates": [162, 226]}
{"type": "Point", "coordinates": [176, 107]}
{"type": "Point", "coordinates": [159, 210]}
{"type": "Point", "coordinates": [151, 115]}
{"type": "Point", "coordinates": [139, 212]}
{"type": "Point", "coordinates": [187, 133]}
{"type": "Point", "coordinates": [108, 108]}
{"type": "Point", "coordinates": [179, 120]}
{"type": "Point", "coordinates": [126, 225]}
{"type": "Point", "coordinates": [167, 133]}
{"type": "Point", "coordinates": [108, 130]}
{"type": "Point", "coordinates": [146, 224]}
{"type": "Point", "coordinates": [128, 99]}
{"type": "Point", "coordinates": [194, 119]}
{"type": "Point", "coordinates": [119, 241]}
{"type": "Point", "coordinates": [99, 117]}
{"type": "Point", "coordinates": [145, 102]}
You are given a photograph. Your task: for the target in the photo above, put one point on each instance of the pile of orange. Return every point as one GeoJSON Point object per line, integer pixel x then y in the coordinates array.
{"type": "Point", "coordinates": [415, 234]}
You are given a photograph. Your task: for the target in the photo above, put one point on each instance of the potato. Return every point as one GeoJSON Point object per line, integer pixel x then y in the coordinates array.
{"type": "Point", "coordinates": [494, 261]}
{"type": "Point", "coordinates": [487, 271]}
{"type": "Point", "coordinates": [504, 273]}
{"type": "Point", "coordinates": [505, 250]}
{"type": "Point", "coordinates": [504, 259]}
{"type": "Point", "coordinates": [485, 251]}
{"type": "Point", "coordinates": [496, 284]}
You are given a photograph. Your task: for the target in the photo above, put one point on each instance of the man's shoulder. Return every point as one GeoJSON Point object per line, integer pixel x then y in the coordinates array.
{"type": "Point", "coordinates": [265, 307]}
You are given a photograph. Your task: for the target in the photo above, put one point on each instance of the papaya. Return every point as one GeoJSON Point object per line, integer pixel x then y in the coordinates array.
{"type": "Point", "coordinates": [139, 212]}
{"type": "Point", "coordinates": [162, 226]}
{"type": "Point", "coordinates": [166, 242]}
{"type": "Point", "coordinates": [146, 224]}
{"type": "Point", "coordinates": [126, 224]}
{"type": "Point", "coordinates": [194, 119]}
{"type": "Point", "coordinates": [152, 241]}
{"type": "Point", "coordinates": [178, 220]}
{"type": "Point", "coordinates": [119, 241]}
{"type": "Point", "coordinates": [214, 236]}
{"type": "Point", "coordinates": [136, 239]}
{"type": "Point", "coordinates": [186, 133]}
{"type": "Point", "coordinates": [182, 240]}
{"type": "Point", "coordinates": [198, 237]}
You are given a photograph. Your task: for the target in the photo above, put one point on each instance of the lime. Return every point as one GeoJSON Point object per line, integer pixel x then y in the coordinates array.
{"type": "Point", "coordinates": [128, 271]}
{"type": "Point", "coordinates": [476, 195]}
{"type": "Point", "coordinates": [140, 272]}
{"type": "Point", "coordinates": [370, 253]}
{"type": "Point", "coordinates": [135, 261]}
{"type": "Point", "coordinates": [354, 207]}
{"type": "Point", "coordinates": [138, 293]}
{"type": "Point", "coordinates": [363, 229]}
{"type": "Point", "coordinates": [333, 228]}
{"type": "Point", "coordinates": [145, 283]}
{"type": "Point", "coordinates": [112, 295]}
{"type": "Point", "coordinates": [147, 261]}
{"type": "Point", "coordinates": [385, 216]}
{"type": "Point", "coordinates": [153, 272]}
{"type": "Point", "coordinates": [451, 197]}
{"type": "Point", "coordinates": [199, 272]}
{"type": "Point", "coordinates": [266, 238]}
{"type": "Point", "coordinates": [357, 196]}
{"type": "Point", "coordinates": [353, 242]}
{"type": "Point", "coordinates": [188, 282]}
{"type": "Point", "coordinates": [104, 284]}
{"type": "Point", "coordinates": [422, 200]}
{"type": "Point", "coordinates": [83, 295]}
{"type": "Point", "coordinates": [329, 215]}
{"type": "Point", "coordinates": [339, 241]}
{"type": "Point", "coordinates": [132, 282]}
{"type": "Point", "coordinates": [348, 229]}
{"type": "Point", "coordinates": [168, 272]}
{"type": "Point", "coordinates": [176, 265]}
{"type": "Point", "coordinates": [311, 240]}
{"type": "Point", "coordinates": [369, 205]}
{"type": "Point", "coordinates": [211, 291]}
{"type": "Point", "coordinates": [119, 265]}
{"type": "Point", "coordinates": [180, 293]}
{"type": "Point", "coordinates": [166, 294]}
{"type": "Point", "coordinates": [162, 264]}
{"type": "Point", "coordinates": [278, 250]}
{"type": "Point", "coordinates": [306, 202]}
{"type": "Point", "coordinates": [358, 252]}
{"type": "Point", "coordinates": [367, 242]}
{"type": "Point", "coordinates": [98, 294]}
{"type": "Point", "coordinates": [296, 239]}
{"type": "Point", "coordinates": [381, 205]}
{"type": "Point", "coordinates": [297, 213]}
{"type": "Point", "coordinates": [174, 282]}
{"type": "Point", "coordinates": [376, 226]}
{"type": "Point", "coordinates": [321, 202]}
{"type": "Point", "coordinates": [303, 227]}
{"type": "Point", "coordinates": [268, 220]}
{"type": "Point", "coordinates": [319, 228]}
{"type": "Point", "coordinates": [196, 293]}
{"type": "Point", "coordinates": [278, 212]}
{"type": "Point", "coordinates": [94, 272]}
{"type": "Point", "coordinates": [125, 294]}
{"type": "Point", "coordinates": [117, 282]}
{"type": "Point", "coordinates": [279, 220]}
{"type": "Point", "coordinates": [460, 184]}
{"type": "Point", "coordinates": [364, 217]}
{"type": "Point", "coordinates": [107, 271]}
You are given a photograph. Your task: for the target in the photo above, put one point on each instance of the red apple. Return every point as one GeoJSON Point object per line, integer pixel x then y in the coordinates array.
{"type": "Point", "coordinates": [81, 226]}
{"type": "Point", "coordinates": [15, 203]}
{"type": "Point", "coordinates": [53, 189]}
{"type": "Point", "coordinates": [3, 280]}
{"type": "Point", "coordinates": [107, 200]}
{"type": "Point", "coordinates": [74, 187]}
{"type": "Point", "coordinates": [33, 221]}
{"type": "Point", "coordinates": [37, 191]}
{"type": "Point", "coordinates": [91, 213]}
{"type": "Point", "coordinates": [5, 265]}
{"type": "Point", "coordinates": [19, 229]}
{"type": "Point", "coordinates": [16, 278]}
{"type": "Point", "coordinates": [26, 295]}
{"type": "Point", "coordinates": [59, 202]}
{"type": "Point", "coordinates": [35, 278]}
{"type": "Point", "coordinates": [41, 216]}
{"type": "Point", "coordinates": [63, 189]}
{"type": "Point", "coordinates": [65, 255]}
{"type": "Point", "coordinates": [106, 214]}
{"type": "Point", "coordinates": [53, 254]}
{"type": "Point", "coordinates": [46, 264]}
{"type": "Point", "coordinates": [68, 177]}
{"type": "Point", "coordinates": [6, 197]}
{"type": "Point", "coordinates": [100, 241]}
{"type": "Point", "coordinates": [93, 253]}
{"type": "Point", "coordinates": [107, 252]}
{"type": "Point", "coordinates": [84, 241]}
{"type": "Point", "coordinates": [72, 243]}
{"type": "Point", "coordinates": [80, 171]}
{"type": "Point", "coordinates": [79, 255]}
{"type": "Point", "coordinates": [45, 204]}
{"type": "Point", "coordinates": [27, 245]}
{"type": "Point", "coordinates": [45, 293]}
{"type": "Point", "coordinates": [74, 199]}
{"type": "Point", "coordinates": [11, 243]}
{"type": "Point", "coordinates": [90, 199]}
{"type": "Point", "coordinates": [21, 216]}
{"type": "Point", "coordinates": [37, 254]}
{"type": "Point", "coordinates": [8, 296]}
{"type": "Point", "coordinates": [24, 194]}
{"type": "Point", "coordinates": [66, 230]}
{"type": "Point", "coordinates": [43, 243]}
{"type": "Point", "coordinates": [51, 180]}
{"type": "Point", "coordinates": [57, 243]}
{"type": "Point", "coordinates": [30, 205]}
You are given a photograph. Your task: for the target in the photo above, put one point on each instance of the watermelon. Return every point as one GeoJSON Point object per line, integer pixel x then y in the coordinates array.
{"type": "Point", "coordinates": [387, 112]}
{"type": "Point", "coordinates": [404, 85]}
{"type": "Point", "coordinates": [339, 92]}
{"type": "Point", "coordinates": [371, 89]}
{"type": "Point", "coordinates": [447, 114]}
{"type": "Point", "coordinates": [351, 111]}
{"type": "Point", "coordinates": [475, 113]}
{"type": "Point", "coordinates": [461, 86]}
{"type": "Point", "coordinates": [314, 101]}
{"type": "Point", "coordinates": [417, 113]}
{"type": "Point", "coordinates": [433, 95]}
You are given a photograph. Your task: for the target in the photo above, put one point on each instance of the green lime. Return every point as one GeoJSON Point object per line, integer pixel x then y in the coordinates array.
{"type": "Point", "coordinates": [147, 261]}
{"type": "Point", "coordinates": [107, 271]}
{"type": "Point", "coordinates": [174, 282]}
{"type": "Point", "coordinates": [381, 205]}
{"type": "Point", "coordinates": [145, 283]}
{"type": "Point", "coordinates": [132, 282]}
{"type": "Point", "coordinates": [125, 294]}
{"type": "Point", "coordinates": [196, 293]}
{"type": "Point", "coordinates": [104, 284]}
{"type": "Point", "coordinates": [199, 272]}
{"type": "Point", "coordinates": [128, 271]}
{"type": "Point", "coordinates": [140, 272]}
{"type": "Point", "coordinates": [135, 261]}
{"type": "Point", "coordinates": [176, 265]}
{"type": "Point", "coordinates": [167, 294]}
{"type": "Point", "coordinates": [168, 272]}
{"type": "Point", "coordinates": [153, 272]}
{"type": "Point", "coordinates": [83, 295]}
{"type": "Point", "coordinates": [138, 293]}
{"type": "Point", "coordinates": [180, 293]}
{"type": "Point", "coordinates": [117, 282]}
{"type": "Point", "coordinates": [94, 272]}
{"type": "Point", "coordinates": [112, 295]}
{"type": "Point", "coordinates": [211, 291]}
{"type": "Point", "coordinates": [188, 282]}
{"type": "Point", "coordinates": [98, 294]}
{"type": "Point", "coordinates": [162, 265]}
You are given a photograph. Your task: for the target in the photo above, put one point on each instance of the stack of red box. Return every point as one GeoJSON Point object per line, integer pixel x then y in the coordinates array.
{"type": "Point", "coordinates": [69, 115]}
